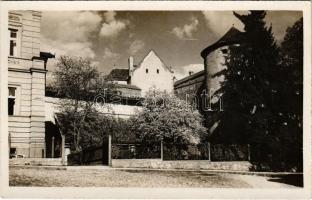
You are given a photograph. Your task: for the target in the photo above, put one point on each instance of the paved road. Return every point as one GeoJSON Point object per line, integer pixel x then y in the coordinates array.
{"type": "Point", "coordinates": [108, 177]}
{"type": "Point", "coordinates": [263, 182]}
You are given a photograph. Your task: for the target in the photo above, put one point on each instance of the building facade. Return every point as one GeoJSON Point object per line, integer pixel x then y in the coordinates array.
{"type": "Point", "coordinates": [150, 73]}
{"type": "Point", "coordinates": [190, 87]}
{"type": "Point", "coordinates": [26, 85]}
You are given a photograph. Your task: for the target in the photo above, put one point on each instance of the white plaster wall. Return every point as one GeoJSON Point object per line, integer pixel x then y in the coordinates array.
{"type": "Point", "coordinates": [145, 81]}
{"type": "Point", "coordinates": [117, 110]}
{"type": "Point", "coordinates": [215, 63]}
{"type": "Point", "coordinates": [27, 126]}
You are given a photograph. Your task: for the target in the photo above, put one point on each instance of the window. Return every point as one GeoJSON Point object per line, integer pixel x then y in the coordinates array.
{"type": "Point", "coordinates": [146, 70]}
{"type": "Point", "coordinates": [224, 51]}
{"type": "Point", "coordinates": [157, 71]}
{"type": "Point", "coordinates": [12, 152]}
{"type": "Point", "coordinates": [13, 42]}
{"type": "Point", "coordinates": [12, 101]}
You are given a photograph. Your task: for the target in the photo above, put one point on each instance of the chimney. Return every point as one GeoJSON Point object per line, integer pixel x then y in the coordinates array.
{"type": "Point", "coordinates": [130, 65]}
{"type": "Point", "coordinates": [191, 72]}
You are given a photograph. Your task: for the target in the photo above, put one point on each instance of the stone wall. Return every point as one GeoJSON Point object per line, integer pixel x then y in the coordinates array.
{"type": "Point", "coordinates": [191, 88]}
{"type": "Point", "coordinates": [36, 161]}
{"type": "Point", "coordinates": [185, 164]}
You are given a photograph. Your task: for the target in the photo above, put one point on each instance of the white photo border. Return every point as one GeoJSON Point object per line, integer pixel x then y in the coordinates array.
{"type": "Point", "coordinates": [167, 193]}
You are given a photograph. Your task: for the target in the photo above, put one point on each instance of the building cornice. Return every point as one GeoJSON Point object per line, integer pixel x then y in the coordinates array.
{"type": "Point", "coordinates": [18, 58]}
{"type": "Point", "coordinates": [31, 70]}
{"type": "Point", "coordinates": [38, 70]}
{"type": "Point", "coordinates": [18, 70]}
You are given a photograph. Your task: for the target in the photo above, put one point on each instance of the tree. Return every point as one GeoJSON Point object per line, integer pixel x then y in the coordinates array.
{"type": "Point", "coordinates": [252, 77]}
{"type": "Point", "coordinates": [78, 82]}
{"type": "Point", "coordinates": [167, 118]}
{"type": "Point", "coordinates": [291, 97]}
{"type": "Point", "coordinates": [292, 66]}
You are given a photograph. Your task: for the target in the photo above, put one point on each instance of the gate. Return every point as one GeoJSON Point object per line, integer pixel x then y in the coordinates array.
{"type": "Point", "coordinates": [90, 156]}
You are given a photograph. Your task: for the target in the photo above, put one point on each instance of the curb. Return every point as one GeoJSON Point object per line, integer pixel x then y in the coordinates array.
{"type": "Point", "coordinates": [48, 167]}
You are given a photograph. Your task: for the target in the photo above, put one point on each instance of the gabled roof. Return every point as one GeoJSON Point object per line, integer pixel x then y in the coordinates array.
{"type": "Point", "coordinates": [153, 52]}
{"type": "Point", "coordinates": [123, 74]}
{"type": "Point", "coordinates": [119, 74]}
{"type": "Point", "coordinates": [232, 36]}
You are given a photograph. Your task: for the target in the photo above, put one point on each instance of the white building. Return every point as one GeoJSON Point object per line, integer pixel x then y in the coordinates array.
{"type": "Point", "coordinates": [26, 85]}
{"type": "Point", "coordinates": [151, 72]}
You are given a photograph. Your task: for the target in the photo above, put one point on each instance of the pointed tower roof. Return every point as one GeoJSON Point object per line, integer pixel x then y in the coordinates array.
{"type": "Point", "coordinates": [232, 36]}
{"type": "Point", "coordinates": [152, 52]}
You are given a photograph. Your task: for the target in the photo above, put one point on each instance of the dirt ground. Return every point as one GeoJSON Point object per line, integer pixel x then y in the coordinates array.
{"type": "Point", "coordinates": [21, 176]}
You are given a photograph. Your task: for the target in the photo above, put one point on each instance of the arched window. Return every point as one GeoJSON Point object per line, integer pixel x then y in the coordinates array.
{"type": "Point", "coordinates": [146, 70]}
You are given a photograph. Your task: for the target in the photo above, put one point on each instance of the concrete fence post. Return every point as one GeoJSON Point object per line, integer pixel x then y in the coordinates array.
{"type": "Point", "coordinates": [63, 149]}
{"type": "Point", "coordinates": [161, 150]}
{"type": "Point", "coordinates": [109, 150]}
{"type": "Point", "coordinates": [52, 148]}
{"type": "Point", "coordinates": [248, 152]}
{"type": "Point", "coordinates": [209, 151]}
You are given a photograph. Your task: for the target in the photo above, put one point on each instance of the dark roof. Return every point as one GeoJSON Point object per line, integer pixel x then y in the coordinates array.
{"type": "Point", "coordinates": [193, 76]}
{"type": "Point", "coordinates": [232, 36]}
{"type": "Point", "coordinates": [119, 74]}
{"type": "Point", "coordinates": [43, 56]}
{"type": "Point", "coordinates": [127, 86]}
{"type": "Point", "coordinates": [46, 55]}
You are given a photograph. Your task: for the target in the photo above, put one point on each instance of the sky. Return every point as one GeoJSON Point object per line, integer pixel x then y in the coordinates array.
{"type": "Point", "coordinates": [108, 38]}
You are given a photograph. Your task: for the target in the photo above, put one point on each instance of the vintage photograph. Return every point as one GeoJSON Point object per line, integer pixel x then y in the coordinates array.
{"type": "Point", "coordinates": [170, 99]}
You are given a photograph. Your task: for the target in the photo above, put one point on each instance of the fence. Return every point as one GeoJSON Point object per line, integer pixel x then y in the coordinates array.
{"type": "Point", "coordinates": [171, 151]}
{"type": "Point", "coordinates": [230, 152]}
{"type": "Point", "coordinates": [186, 151]}
{"type": "Point", "coordinates": [167, 151]}
{"type": "Point", "coordinates": [137, 151]}
{"type": "Point", "coordinates": [93, 155]}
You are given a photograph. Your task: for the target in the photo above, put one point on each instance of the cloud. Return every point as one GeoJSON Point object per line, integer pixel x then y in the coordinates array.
{"type": "Point", "coordinates": [183, 71]}
{"type": "Point", "coordinates": [186, 32]}
{"type": "Point", "coordinates": [280, 20]}
{"type": "Point", "coordinates": [221, 21]}
{"type": "Point", "coordinates": [136, 46]}
{"type": "Point", "coordinates": [108, 54]}
{"type": "Point", "coordinates": [70, 26]}
{"type": "Point", "coordinates": [112, 27]}
{"type": "Point", "coordinates": [68, 33]}
{"type": "Point", "coordinates": [78, 49]}
{"type": "Point", "coordinates": [110, 16]}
